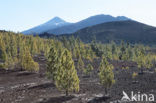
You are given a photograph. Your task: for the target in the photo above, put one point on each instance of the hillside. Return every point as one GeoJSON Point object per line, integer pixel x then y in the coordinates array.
{"type": "Point", "coordinates": [129, 31]}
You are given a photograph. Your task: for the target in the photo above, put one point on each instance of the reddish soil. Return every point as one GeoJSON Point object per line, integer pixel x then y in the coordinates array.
{"type": "Point", "coordinates": [25, 87]}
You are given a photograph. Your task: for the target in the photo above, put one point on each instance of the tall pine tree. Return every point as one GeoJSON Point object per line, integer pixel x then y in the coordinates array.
{"type": "Point", "coordinates": [67, 78]}
{"type": "Point", "coordinates": [106, 74]}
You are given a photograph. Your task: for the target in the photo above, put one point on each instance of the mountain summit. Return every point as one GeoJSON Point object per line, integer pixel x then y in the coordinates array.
{"type": "Point", "coordinates": [51, 24]}
{"type": "Point", "coordinates": [55, 20]}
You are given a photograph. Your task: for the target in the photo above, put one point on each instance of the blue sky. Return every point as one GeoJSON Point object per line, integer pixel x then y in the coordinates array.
{"type": "Point", "coordinates": [19, 15]}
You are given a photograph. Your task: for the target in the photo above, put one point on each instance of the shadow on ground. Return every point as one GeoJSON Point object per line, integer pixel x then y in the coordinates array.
{"type": "Point", "coordinates": [58, 99]}
{"type": "Point", "coordinates": [99, 99]}
{"type": "Point", "coordinates": [43, 86]}
{"type": "Point", "coordinates": [24, 74]}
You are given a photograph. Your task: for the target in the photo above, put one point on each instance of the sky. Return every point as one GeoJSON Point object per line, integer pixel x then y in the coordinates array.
{"type": "Point", "coordinates": [20, 15]}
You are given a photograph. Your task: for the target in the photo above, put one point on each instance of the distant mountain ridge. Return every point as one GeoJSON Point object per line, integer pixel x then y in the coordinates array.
{"type": "Point", "coordinates": [93, 20]}
{"type": "Point", "coordinates": [68, 28]}
{"type": "Point", "coordinates": [128, 31]}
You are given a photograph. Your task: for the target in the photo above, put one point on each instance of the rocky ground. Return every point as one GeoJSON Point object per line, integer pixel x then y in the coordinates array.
{"type": "Point", "coordinates": [25, 87]}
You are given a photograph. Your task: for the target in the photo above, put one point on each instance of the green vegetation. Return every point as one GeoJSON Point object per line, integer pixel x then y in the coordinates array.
{"type": "Point", "coordinates": [26, 61]}
{"type": "Point", "coordinates": [134, 75]}
{"type": "Point", "coordinates": [18, 50]}
{"type": "Point", "coordinates": [88, 69]}
{"type": "Point", "coordinates": [106, 74]}
{"type": "Point", "coordinates": [80, 63]}
{"type": "Point", "coordinates": [65, 56]}
{"type": "Point", "coordinates": [62, 70]}
{"type": "Point", "coordinates": [67, 75]}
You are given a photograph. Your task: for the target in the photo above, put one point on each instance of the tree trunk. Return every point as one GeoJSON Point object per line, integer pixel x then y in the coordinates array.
{"type": "Point", "coordinates": [67, 93]}
{"type": "Point", "coordinates": [141, 71]}
{"type": "Point", "coordinates": [106, 91]}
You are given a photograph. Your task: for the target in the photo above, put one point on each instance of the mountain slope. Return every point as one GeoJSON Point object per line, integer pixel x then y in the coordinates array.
{"type": "Point", "coordinates": [52, 24]}
{"type": "Point", "coordinates": [130, 31]}
{"type": "Point", "coordinates": [98, 19]}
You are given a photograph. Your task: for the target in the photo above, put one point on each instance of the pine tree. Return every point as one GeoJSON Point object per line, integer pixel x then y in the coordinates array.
{"type": "Point", "coordinates": [3, 55]}
{"type": "Point", "coordinates": [74, 53]}
{"type": "Point", "coordinates": [88, 69]}
{"type": "Point", "coordinates": [33, 47]}
{"type": "Point", "coordinates": [108, 52]}
{"type": "Point", "coordinates": [113, 47]}
{"type": "Point", "coordinates": [53, 63]}
{"type": "Point", "coordinates": [106, 74]}
{"type": "Point", "coordinates": [141, 61]}
{"type": "Point", "coordinates": [96, 49]}
{"type": "Point", "coordinates": [13, 46]}
{"type": "Point", "coordinates": [27, 62]}
{"type": "Point", "coordinates": [123, 53]}
{"type": "Point", "coordinates": [149, 60]}
{"type": "Point", "coordinates": [67, 78]}
{"type": "Point", "coordinates": [114, 50]}
{"type": "Point", "coordinates": [82, 48]}
{"type": "Point", "coordinates": [77, 51]}
{"type": "Point", "coordinates": [80, 64]}
{"type": "Point", "coordinates": [9, 62]}
{"type": "Point", "coordinates": [89, 55]}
